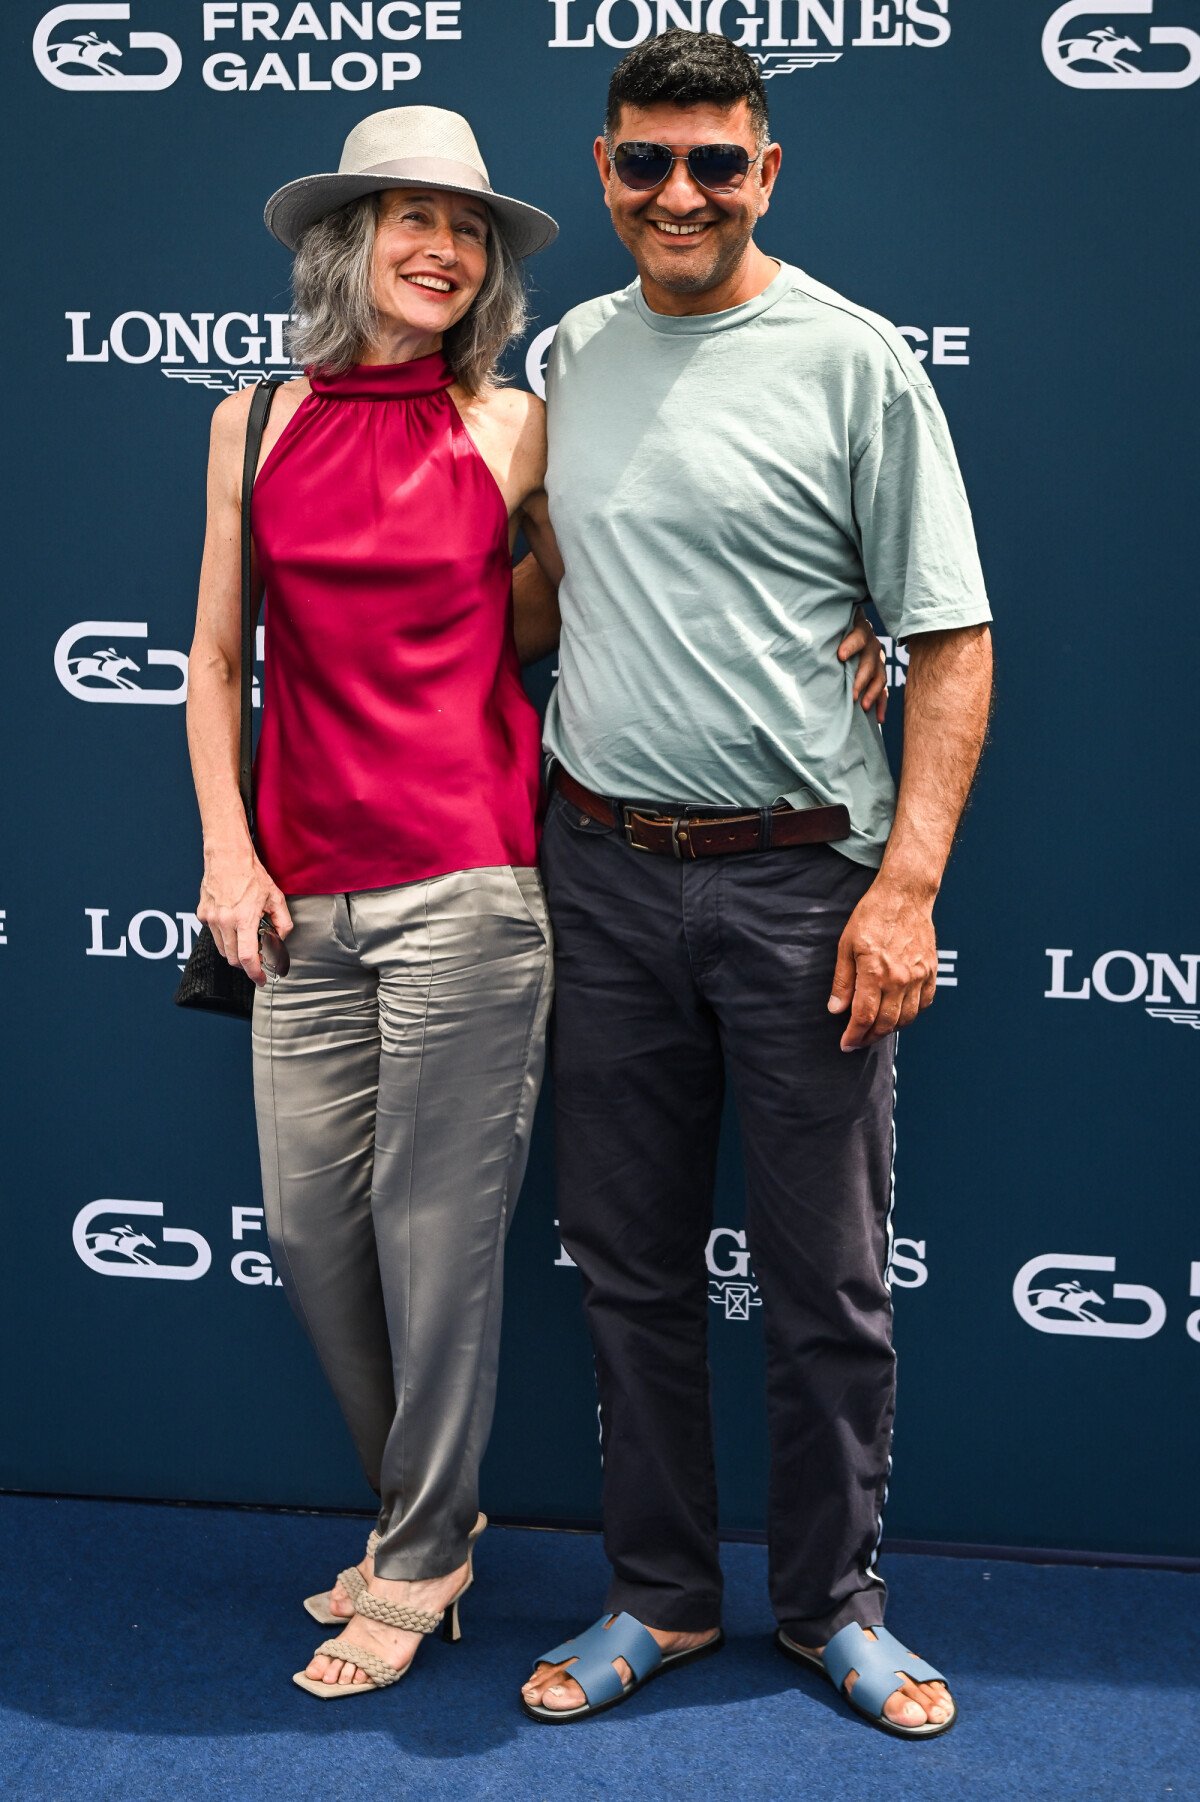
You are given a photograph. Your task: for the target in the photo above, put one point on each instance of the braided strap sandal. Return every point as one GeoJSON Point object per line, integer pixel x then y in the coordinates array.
{"type": "Point", "coordinates": [352, 1581]}
{"type": "Point", "coordinates": [882, 1664]}
{"type": "Point", "coordinates": [380, 1673]}
{"type": "Point", "coordinates": [589, 1660]}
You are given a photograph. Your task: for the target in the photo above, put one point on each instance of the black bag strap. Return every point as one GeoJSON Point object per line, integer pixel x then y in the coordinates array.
{"type": "Point", "coordinates": [260, 407]}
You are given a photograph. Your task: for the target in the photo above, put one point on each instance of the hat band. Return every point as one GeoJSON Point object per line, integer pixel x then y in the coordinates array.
{"type": "Point", "coordinates": [431, 168]}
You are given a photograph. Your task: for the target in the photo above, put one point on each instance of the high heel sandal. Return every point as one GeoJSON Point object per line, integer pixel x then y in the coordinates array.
{"type": "Point", "coordinates": [352, 1581]}
{"type": "Point", "coordinates": [380, 1674]}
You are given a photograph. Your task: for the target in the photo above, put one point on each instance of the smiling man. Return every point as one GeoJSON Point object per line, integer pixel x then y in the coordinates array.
{"type": "Point", "coordinates": [738, 456]}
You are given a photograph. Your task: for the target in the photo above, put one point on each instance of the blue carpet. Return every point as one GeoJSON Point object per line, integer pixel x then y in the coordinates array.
{"type": "Point", "coordinates": [149, 1653]}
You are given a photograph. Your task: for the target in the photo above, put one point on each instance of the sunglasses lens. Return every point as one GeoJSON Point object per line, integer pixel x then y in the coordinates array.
{"type": "Point", "coordinates": [719, 165]}
{"type": "Point", "coordinates": [642, 166]}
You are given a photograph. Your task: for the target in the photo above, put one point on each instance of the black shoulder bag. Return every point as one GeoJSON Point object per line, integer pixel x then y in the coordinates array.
{"type": "Point", "coordinates": [208, 980]}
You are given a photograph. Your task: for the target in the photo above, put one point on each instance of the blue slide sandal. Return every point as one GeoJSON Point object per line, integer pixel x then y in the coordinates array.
{"type": "Point", "coordinates": [592, 1653]}
{"type": "Point", "coordinates": [877, 1662]}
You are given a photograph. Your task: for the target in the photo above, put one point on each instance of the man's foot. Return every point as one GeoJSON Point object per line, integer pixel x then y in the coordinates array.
{"type": "Point", "coordinates": [339, 1602]}
{"type": "Point", "coordinates": [552, 1686]}
{"type": "Point", "coordinates": [913, 1705]}
{"type": "Point", "coordinates": [396, 1645]}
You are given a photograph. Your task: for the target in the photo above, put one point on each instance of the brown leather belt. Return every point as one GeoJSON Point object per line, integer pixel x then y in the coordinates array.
{"type": "Point", "coordinates": [691, 835]}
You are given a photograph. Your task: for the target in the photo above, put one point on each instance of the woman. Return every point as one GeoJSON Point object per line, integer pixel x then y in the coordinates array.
{"type": "Point", "coordinates": [397, 1064]}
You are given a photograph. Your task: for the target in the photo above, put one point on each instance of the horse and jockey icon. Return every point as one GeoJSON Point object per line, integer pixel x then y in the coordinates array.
{"type": "Point", "coordinates": [1066, 1305]}
{"type": "Point", "coordinates": [122, 1242]}
{"type": "Point", "coordinates": [1100, 57]}
{"type": "Point", "coordinates": [1105, 47]}
{"type": "Point", "coordinates": [105, 673]}
{"type": "Point", "coordinates": [85, 60]}
{"type": "Point", "coordinates": [1071, 1299]}
{"type": "Point", "coordinates": [105, 666]}
{"type": "Point", "coordinates": [87, 51]}
{"type": "Point", "coordinates": [122, 1250]}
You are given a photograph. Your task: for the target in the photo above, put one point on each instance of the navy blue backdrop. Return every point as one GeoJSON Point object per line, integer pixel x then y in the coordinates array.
{"type": "Point", "coordinates": [1013, 186]}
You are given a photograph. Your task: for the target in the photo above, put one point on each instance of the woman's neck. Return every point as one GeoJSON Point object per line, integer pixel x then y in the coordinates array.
{"type": "Point", "coordinates": [400, 344]}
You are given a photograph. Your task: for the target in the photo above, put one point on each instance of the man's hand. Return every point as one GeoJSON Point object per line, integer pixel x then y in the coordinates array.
{"type": "Point", "coordinates": [887, 959]}
{"type": "Point", "coordinates": [886, 964]}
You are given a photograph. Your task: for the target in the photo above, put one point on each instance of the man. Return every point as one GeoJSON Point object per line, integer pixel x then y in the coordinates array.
{"type": "Point", "coordinates": [738, 455]}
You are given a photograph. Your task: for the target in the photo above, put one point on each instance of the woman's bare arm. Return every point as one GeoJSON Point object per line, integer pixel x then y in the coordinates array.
{"type": "Point", "coordinates": [236, 890]}
{"type": "Point", "coordinates": [536, 578]}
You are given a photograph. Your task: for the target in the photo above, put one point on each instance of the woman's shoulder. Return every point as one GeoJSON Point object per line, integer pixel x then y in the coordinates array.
{"type": "Point", "coordinates": [230, 415]}
{"type": "Point", "coordinates": [511, 411]}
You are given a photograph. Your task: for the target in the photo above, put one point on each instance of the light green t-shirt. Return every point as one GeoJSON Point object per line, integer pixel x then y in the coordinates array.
{"type": "Point", "coordinates": [724, 488]}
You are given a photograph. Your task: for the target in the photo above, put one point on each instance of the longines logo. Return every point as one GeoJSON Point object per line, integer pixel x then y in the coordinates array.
{"type": "Point", "coordinates": [186, 346]}
{"type": "Point", "coordinates": [92, 61]}
{"type": "Point", "coordinates": [782, 36]}
{"type": "Point", "coordinates": [150, 934]}
{"type": "Point", "coordinates": [91, 669]}
{"type": "Point", "coordinates": [1167, 987]}
{"type": "Point", "coordinates": [731, 1284]}
{"type": "Point", "coordinates": [1066, 1305]}
{"type": "Point", "coordinates": [1107, 57]}
{"type": "Point", "coordinates": [108, 1242]}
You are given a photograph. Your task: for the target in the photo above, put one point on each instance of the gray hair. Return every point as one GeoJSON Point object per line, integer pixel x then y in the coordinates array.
{"type": "Point", "coordinates": [335, 318]}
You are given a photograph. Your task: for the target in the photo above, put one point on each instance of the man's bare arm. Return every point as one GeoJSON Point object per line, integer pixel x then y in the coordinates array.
{"type": "Point", "coordinates": [535, 611]}
{"type": "Point", "coordinates": [887, 959]}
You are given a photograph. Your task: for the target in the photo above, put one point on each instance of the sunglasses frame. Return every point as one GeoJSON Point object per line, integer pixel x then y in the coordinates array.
{"type": "Point", "coordinates": [682, 156]}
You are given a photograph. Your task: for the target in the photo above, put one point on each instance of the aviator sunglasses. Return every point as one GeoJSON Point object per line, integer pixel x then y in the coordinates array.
{"type": "Point", "coordinates": [713, 167]}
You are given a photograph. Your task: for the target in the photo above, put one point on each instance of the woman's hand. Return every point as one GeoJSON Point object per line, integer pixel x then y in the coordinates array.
{"type": "Point", "coordinates": [235, 893]}
{"type": "Point", "coordinates": [870, 678]}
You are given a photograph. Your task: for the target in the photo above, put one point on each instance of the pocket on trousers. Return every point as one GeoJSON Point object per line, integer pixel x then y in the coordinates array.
{"type": "Point", "coordinates": [528, 885]}
{"type": "Point", "coordinates": [575, 818]}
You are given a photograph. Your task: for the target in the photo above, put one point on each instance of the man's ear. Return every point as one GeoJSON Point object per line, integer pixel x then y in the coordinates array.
{"type": "Point", "coordinates": [768, 173]}
{"type": "Point", "coordinates": [603, 164]}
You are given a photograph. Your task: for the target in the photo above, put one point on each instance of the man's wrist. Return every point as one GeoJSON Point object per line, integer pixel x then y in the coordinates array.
{"type": "Point", "coordinates": [916, 877]}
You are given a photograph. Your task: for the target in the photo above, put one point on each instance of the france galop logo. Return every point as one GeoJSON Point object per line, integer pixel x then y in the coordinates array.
{"type": "Point", "coordinates": [87, 61]}
{"type": "Point", "coordinates": [108, 1243]}
{"type": "Point", "coordinates": [1106, 56]}
{"type": "Point", "coordinates": [1058, 1303]}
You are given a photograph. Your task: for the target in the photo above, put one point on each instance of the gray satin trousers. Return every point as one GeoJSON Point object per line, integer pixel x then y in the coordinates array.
{"type": "Point", "coordinates": [396, 1071]}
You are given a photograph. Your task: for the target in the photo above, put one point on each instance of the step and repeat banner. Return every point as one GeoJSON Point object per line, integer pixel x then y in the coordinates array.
{"type": "Point", "coordinates": [1015, 187]}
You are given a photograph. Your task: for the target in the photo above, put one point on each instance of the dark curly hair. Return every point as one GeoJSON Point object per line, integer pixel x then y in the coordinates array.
{"type": "Point", "coordinates": [688, 68]}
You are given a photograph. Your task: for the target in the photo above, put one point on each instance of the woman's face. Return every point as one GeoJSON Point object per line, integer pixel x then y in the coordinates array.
{"type": "Point", "coordinates": [429, 260]}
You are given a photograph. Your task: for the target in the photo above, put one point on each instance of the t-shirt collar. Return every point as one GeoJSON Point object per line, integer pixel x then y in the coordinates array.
{"type": "Point", "coordinates": [689, 325]}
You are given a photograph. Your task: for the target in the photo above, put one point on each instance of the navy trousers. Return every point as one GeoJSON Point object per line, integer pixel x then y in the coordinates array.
{"type": "Point", "coordinates": [671, 978]}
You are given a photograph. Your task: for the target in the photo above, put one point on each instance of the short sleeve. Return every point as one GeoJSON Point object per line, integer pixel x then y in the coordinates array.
{"type": "Point", "coordinates": [554, 366]}
{"type": "Point", "coordinates": [915, 534]}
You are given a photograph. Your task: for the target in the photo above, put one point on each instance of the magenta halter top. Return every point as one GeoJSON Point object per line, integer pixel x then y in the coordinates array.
{"type": "Point", "coordinates": [397, 742]}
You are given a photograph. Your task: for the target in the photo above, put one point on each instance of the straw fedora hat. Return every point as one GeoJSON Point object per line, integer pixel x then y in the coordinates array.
{"type": "Point", "coordinates": [406, 146]}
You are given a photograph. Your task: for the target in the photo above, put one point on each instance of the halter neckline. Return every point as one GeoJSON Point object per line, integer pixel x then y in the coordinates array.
{"type": "Point", "coordinates": [385, 381]}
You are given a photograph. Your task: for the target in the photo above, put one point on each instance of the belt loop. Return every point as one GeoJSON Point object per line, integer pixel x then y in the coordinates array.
{"type": "Point", "coordinates": [764, 828]}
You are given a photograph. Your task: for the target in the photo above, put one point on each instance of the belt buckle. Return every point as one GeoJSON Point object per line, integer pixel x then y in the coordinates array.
{"type": "Point", "coordinates": [664, 819]}
{"type": "Point", "coordinates": [627, 812]}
